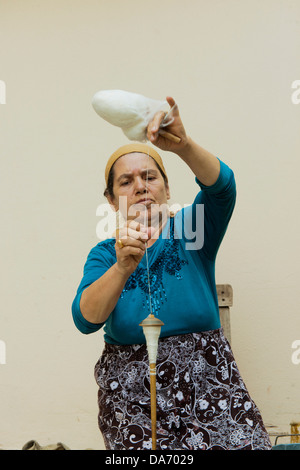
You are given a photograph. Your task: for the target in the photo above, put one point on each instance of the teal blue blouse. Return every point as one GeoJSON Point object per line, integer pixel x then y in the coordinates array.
{"type": "Point", "coordinates": [181, 267]}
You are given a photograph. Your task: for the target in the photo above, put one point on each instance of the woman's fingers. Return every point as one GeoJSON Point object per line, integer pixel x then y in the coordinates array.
{"type": "Point", "coordinates": [127, 241]}
{"type": "Point", "coordinates": [171, 102]}
{"type": "Point", "coordinates": [136, 230]}
{"type": "Point", "coordinates": [137, 235]}
{"type": "Point", "coordinates": [130, 245]}
{"type": "Point", "coordinates": [130, 250]}
{"type": "Point", "coordinates": [172, 137]}
{"type": "Point", "coordinates": [153, 126]}
{"type": "Point", "coordinates": [132, 235]}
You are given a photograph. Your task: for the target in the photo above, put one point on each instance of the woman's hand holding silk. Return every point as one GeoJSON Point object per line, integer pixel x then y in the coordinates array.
{"type": "Point", "coordinates": [175, 127]}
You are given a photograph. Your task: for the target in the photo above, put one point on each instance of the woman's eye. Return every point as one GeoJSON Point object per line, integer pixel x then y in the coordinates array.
{"type": "Point", "coordinates": [124, 183]}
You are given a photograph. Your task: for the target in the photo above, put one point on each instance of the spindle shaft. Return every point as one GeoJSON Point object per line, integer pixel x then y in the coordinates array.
{"type": "Point", "coordinates": [153, 403]}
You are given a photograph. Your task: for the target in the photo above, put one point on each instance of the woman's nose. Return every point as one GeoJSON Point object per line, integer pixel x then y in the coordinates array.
{"type": "Point", "coordinates": [140, 185]}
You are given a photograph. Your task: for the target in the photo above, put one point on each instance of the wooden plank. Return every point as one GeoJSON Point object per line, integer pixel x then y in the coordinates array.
{"type": "Point", "coordinates": [225, 321]}
{"type": "Point", "coordinates": [225, 300]}
{"type": "Point", "coordinates": [225, 295]}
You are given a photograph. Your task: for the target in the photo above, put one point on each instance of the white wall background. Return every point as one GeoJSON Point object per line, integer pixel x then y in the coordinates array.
{"type": "Point", "coordinates": [230, 65]}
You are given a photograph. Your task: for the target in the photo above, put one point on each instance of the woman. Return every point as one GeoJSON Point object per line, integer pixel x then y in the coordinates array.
{"type": "Point", "coordinates": [202, 402]}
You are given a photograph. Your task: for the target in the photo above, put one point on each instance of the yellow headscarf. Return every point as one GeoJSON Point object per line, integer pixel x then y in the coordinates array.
{"type": "Point", "coordinates": [131, 148]}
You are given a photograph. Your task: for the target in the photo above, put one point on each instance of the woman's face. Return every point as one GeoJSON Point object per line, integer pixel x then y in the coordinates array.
{"type": "Point", "coordinates": [138, 186]}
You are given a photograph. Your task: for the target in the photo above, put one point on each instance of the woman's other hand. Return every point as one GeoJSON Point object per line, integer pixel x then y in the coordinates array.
{"type": "Point", "coordinates": [175, 127]}
{"type": "Point", "coordinates": [131, 245]}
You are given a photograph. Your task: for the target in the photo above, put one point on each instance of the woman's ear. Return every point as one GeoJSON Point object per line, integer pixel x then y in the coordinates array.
{"type": "Point", "coordinates": [168, 191]}
{"type": "Point", "coordinates": [112, 203]}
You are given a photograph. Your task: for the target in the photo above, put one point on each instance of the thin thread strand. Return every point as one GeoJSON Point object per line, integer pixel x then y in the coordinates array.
{"type": "Point", "coordinates": [147, 261]}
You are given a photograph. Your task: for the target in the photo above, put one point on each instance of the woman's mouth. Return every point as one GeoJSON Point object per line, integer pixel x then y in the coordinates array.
{"type": "Point", "coordinates": [145, 201]}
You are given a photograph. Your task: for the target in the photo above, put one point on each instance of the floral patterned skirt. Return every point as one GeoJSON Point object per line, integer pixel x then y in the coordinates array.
{"type": "Point", "coordinates": [202, 401]}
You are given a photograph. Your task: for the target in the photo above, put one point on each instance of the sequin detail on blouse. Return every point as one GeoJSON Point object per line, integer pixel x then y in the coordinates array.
{"type": "Point", "coordinates": [168, 261]}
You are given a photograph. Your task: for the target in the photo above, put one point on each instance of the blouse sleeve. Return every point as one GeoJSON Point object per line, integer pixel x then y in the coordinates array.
{"type": "Point", "coordinates": [206, 220]}
{"type": "Point", "coordinates": [97, 263]}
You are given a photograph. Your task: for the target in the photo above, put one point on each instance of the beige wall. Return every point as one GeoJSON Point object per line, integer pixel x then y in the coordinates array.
{"type": "Point", "coordinates": [230, 65]}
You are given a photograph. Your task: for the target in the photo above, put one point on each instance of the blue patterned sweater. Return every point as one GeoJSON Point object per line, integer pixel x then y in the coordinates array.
{"type": "Point", "coordinates": [181, 270]}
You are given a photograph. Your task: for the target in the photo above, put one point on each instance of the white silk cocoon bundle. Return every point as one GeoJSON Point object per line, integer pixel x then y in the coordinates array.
{"type": "Point", "coordinates": [129, 111]}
